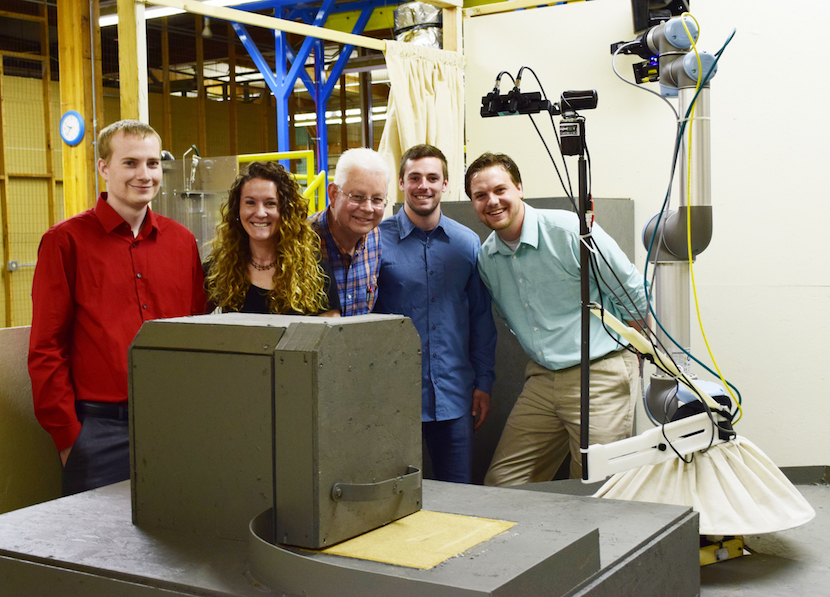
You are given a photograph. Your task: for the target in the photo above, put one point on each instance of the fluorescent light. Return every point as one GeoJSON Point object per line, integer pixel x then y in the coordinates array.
{"type": "Point", "coordinates": [165, 11]}
{"type": "Point", "coordinates": [310, 119]}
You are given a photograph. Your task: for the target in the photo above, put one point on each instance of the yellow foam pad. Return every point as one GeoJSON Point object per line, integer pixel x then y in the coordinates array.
{"type": "Point", "coordinates": [421, 540]}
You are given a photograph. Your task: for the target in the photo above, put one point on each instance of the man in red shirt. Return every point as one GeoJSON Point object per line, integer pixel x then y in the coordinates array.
{"type": "Point", "coordinates": [99, 276]}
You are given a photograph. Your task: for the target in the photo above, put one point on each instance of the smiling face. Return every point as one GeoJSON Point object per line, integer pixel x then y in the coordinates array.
{"type": "Point", "coordinates": [498, 201]}
{"type": "Point", "coordinates": [348, 220]}
{"type": "Point", "coordinates": [422, 184]}
{"type": "Point", "coordinates": [259, 210]}
{"type": "Point", "coordinates": [132, 172]}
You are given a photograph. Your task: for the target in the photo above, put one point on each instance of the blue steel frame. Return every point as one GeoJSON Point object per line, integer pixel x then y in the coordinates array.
{"type": "Point", "coordinates": [281, 81]}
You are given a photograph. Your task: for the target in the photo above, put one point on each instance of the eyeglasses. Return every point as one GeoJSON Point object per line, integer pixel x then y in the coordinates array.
{"type": "Point", "coordinates": [358, 200]}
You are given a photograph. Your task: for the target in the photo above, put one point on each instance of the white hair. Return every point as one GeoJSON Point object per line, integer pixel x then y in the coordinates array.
{"type": "Point", "coordinates": [361, 158]}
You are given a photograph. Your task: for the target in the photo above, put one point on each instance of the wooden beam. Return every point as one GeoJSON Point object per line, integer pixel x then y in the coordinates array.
{"type": "Point", "coordinates": [452, 35]}
{"type": "Point", "coordinates": [76, 94]}
{"type": "Point", "coordinates": [4, 208]}
{"type": "Point", "coordinates": [47, 114]}
{"type": "Point", "coordinates": [24, 55]}
{"type": "Point", "coordinates": [510, 5]}
{"type": "Point", "coordinates": [5, 14]}
{"type": "Point", "coordinates": [257, 20]}
{"type": "Point", "coordinates": [132, 61]}
{"type": "Point", "coordinates": [98, 119]}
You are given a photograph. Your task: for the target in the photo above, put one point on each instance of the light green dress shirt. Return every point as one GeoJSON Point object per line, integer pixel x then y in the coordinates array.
{"type": "Point", "coordinates": [536, 290]}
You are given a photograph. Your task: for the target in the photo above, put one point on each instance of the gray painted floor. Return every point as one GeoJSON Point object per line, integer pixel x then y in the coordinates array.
{"type": "Point", "coordinates": [788, 563]}
{"type": "Point", "coordinates": [792, 563]}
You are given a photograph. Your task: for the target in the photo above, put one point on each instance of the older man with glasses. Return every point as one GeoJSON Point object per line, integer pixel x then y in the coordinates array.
{"type": "Point", "coordinates": [349, 238]}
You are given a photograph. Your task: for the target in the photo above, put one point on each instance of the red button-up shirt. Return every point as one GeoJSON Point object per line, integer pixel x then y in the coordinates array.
{"type": "Point", "coordinates": [94, 285]}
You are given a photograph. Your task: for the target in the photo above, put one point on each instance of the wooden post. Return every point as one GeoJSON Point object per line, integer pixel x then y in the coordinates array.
{"type": "Point", "coordinates": [47, 114]}
{"type": "Point", "coordinates": [97, 118]}
{"type": "Point", "coordinates": [76, 94]}
{"type": "Point", "coordinates": [452, 33]}
{"type": "Point", "coordinates": [132, 60]}
{"type": "Point", "coordinates": [4, 207]}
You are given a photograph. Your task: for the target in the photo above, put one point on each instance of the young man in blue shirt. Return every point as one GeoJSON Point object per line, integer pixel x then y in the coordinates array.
{"type": "Point", "coordinates": [428, 273]}
{"type": "Point", "coordinates": [530, 263]}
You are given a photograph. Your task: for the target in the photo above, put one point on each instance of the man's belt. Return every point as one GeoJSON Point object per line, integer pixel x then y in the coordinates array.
{"type": "Point", "coordinates": [102, 410]}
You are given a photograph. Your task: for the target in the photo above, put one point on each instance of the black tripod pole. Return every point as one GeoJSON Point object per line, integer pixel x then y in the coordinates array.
{"type": "Point", "coordinates": [584, 268]}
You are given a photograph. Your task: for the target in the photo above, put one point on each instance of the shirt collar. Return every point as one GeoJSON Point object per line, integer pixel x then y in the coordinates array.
{"type": "Point", "coordinates": [529, 235]}
{"type": "Point", "coordinates": [110, 219]}
{"type": "Point", "coordinates": [405, 225]}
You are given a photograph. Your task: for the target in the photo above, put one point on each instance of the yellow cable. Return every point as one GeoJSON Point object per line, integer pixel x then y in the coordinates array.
{"type": "Point", "coordinates": [688, 212]}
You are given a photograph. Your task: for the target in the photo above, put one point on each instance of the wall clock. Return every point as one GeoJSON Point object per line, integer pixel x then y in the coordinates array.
{"type": "Point", "coordinates": [72, 128]}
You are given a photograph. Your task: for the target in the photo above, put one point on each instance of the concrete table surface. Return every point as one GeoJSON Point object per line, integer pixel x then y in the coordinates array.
{"type": "Point", "coordinates": [87, 545]}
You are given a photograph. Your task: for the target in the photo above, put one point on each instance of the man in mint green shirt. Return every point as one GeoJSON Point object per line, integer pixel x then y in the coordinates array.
{"type": "Point", "coordinates": [530, 264]}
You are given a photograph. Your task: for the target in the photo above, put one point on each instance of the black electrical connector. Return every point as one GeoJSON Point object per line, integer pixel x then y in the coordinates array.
{"type": "Point", "coordinates": [647, 72]}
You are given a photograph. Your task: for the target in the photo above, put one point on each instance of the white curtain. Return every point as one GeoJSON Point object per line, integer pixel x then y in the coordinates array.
{"type": "Point", "coordinates": [426, 105]}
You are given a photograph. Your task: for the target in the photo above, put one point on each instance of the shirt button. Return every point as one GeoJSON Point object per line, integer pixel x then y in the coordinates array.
{"type": "Point", "coordinates": [525, 305]}
{"type": "Point", "coordinates": [520, 280]}
{"type": "Point", "coordinates": [514, 256]}
{"type": "Point", "coordinates": [535, 329]}
{"type": "Point", "coordinates": [539, 352]}
{"type": "Point", "coordinates": [430, 273]}
{"type": "Point", "coordinates": [138, 275]}
{"type": "Point", "coordinates": [433, 327]}
{"type": "Point", "coordinates": [432, 299]}
{"type": "Point", "coordinates": [143, 306]}
{"type": "Point", "coordinates": [135, 245]}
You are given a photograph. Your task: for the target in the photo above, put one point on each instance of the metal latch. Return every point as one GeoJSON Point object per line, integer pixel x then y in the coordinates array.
{"type": "Point", "coordinates": [368, 492]}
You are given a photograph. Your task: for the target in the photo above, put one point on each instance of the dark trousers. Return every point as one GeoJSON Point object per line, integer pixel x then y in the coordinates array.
{"type": "Point", "coordinates": [100, 456]}
{"type": "Point", "coordinates": [450, 447]}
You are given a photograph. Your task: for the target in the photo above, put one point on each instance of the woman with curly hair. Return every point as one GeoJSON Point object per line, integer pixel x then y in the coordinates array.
{"type": "Point", "coordinates": [266, 257]}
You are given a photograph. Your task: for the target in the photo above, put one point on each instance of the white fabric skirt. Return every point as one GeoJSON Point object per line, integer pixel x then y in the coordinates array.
{"type": "Point", "coordinates": [734, 486]}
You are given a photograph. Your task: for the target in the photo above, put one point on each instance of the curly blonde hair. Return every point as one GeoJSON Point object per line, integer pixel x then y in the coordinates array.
{"type": "Point", "coordinates": [299, 281]}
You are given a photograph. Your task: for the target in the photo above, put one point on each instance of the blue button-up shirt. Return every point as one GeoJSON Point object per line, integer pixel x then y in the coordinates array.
{"type": "Point", "coordinates": [432, 279]}
{"type": "Point", "coordinates": [536, 289]}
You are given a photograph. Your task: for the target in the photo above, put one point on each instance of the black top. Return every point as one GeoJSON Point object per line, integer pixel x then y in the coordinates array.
{"type": "Point", "coordinates": [256, 300]}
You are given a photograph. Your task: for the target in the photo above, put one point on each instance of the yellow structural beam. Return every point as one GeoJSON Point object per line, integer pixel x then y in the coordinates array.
{"type": "Point", "coordinates": [382, 18]}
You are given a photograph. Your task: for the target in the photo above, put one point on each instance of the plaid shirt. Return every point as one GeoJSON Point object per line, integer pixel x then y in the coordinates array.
{"type": "Point", "coordinates": [356, 276]}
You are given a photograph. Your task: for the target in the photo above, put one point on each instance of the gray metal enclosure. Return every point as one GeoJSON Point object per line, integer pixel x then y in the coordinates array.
{"type": "Point", "coordinates": [233, 414]}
